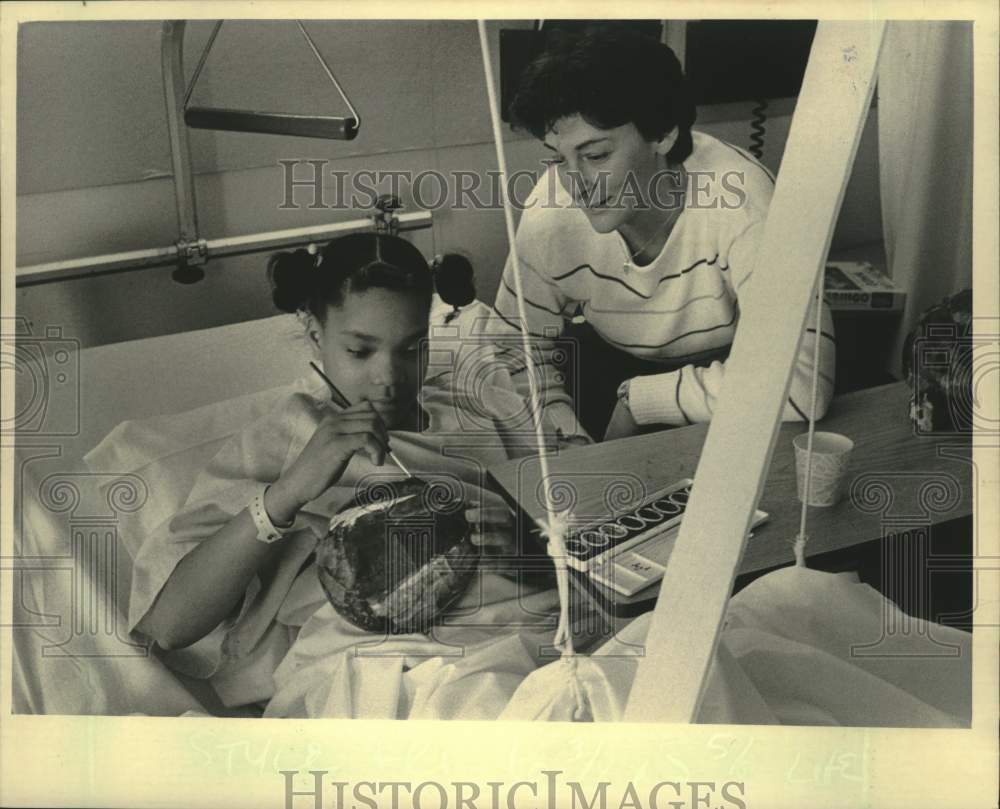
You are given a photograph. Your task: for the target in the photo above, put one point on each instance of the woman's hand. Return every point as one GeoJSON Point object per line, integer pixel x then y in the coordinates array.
{"type": "Point", "coordinates": [621, 424]}
{"type": "Point", "coordinates": [580, 439]}
{"type": "Point", "coordinates": [493, 528]}
{"type": "Point", "coordinates": [324, 458]}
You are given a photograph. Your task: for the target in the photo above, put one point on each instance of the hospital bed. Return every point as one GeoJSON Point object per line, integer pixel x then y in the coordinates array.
{"type": "Point", "coordinates": [109, 441]}
{"type": "Point", "coordinates": [71, 572]}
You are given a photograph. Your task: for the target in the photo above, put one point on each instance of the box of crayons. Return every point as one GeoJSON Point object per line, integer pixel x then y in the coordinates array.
{"type": "Point", "coordinates": [858, 285]}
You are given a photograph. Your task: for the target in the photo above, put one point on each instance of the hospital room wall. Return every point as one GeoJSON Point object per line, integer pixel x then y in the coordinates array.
{"type": "Point", "coordinates": [110, 188]}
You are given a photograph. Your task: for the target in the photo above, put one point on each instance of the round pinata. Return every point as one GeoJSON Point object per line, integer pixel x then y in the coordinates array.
{"type": "Point", "coordinates": [397, 555]}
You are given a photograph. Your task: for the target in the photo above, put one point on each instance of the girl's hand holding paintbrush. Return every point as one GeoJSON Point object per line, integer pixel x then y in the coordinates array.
{"type": "Point", "coordinates": [341, 401]}
{"type": "Point", "coordinates": [325, 457]}
{"type": "Point", "coordinates": [354, 428]}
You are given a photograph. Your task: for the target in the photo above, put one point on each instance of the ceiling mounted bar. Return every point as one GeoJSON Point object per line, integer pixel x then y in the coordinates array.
{"type": "Point", "coordinates": [190, 249]}
{"type": "Point", "coordinates": [272, 123]}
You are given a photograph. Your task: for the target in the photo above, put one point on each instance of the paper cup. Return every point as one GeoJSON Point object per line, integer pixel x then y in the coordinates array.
{"type": "Point", "coordinates": [830, 455]}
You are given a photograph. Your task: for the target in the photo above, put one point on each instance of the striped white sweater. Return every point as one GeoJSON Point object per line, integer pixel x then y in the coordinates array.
{"type": "Point", "coordinates": [684, 303]}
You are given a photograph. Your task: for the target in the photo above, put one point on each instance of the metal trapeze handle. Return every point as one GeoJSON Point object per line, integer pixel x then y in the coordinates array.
{"type": "Point", "coordinates": [272, 123]}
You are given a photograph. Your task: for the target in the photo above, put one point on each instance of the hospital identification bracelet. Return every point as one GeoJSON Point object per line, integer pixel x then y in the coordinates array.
{"type": "Point", "coordinates": [267, 531]}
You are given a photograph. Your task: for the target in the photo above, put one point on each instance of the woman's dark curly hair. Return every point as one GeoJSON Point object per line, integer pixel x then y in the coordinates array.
{"type": "Point", "coordinates": [610, 77]}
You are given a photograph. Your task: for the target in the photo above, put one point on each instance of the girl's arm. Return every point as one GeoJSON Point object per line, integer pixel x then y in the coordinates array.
{"type": "Point", "coordinates": [210, 580]}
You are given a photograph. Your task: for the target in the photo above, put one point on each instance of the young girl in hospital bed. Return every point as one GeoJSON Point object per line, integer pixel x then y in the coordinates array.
{"type": "Point", "coordinates": [798, 646]}
{"type": "Point", "coordinates": [228, 587]}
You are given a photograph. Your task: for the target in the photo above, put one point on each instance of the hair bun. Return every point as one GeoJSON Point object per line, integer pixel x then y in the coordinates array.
{"type": "Point", "coordinates": [292, 277]}
{"type": "Point", "coordinates": [454, 279]}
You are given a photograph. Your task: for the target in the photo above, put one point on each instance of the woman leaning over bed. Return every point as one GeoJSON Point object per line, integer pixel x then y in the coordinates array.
{"type": "Point", "coordinates": [210, 583]}
{"type": "Point", "coordinates": [645, 228]}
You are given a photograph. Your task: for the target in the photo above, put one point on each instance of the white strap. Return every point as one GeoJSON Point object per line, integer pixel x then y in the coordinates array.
{"type": "Point", "coordinates": [799, 546]}
{"type": "Point", "coordinates": [267, 531]}
{"type": "Point", "coordinates": [556, 527]}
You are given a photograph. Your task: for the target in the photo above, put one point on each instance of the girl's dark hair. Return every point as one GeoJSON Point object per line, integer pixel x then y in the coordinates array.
{"type": "Point", "coordinates": [610, 77]}
{"type": "Point", "coordinates": [303, 281]}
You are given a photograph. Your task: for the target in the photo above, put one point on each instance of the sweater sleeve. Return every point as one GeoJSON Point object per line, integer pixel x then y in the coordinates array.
{"type": "Point", "coordinates": [544, 307]}
{"type": "Point", "coordinates": [690, 394]}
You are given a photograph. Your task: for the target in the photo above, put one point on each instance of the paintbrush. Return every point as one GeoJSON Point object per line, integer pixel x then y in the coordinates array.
{"type": "Point", "coordinates": [342, 401]}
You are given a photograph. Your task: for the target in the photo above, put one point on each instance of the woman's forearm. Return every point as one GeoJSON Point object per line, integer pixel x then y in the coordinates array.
{"type": "Point", "coordinates": [211, 579]}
